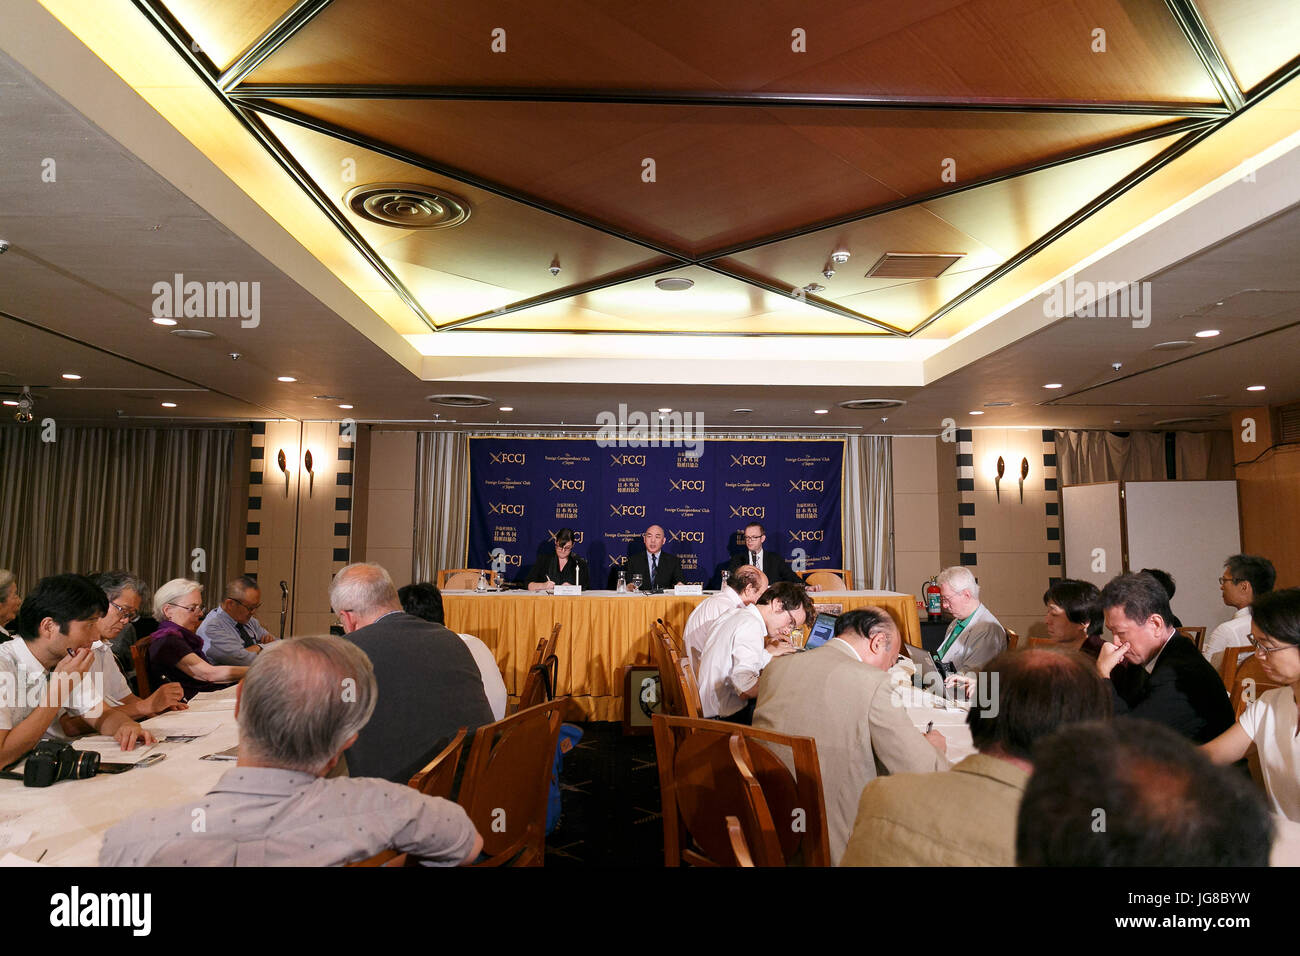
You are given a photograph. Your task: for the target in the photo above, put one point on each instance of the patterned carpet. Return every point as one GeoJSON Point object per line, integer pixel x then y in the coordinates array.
{"type": "Point", "coordinates": [609, 787]}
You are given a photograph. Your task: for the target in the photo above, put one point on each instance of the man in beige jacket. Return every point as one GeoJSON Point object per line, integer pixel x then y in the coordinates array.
{"type": "Point", "coordinates": [967, 817]}
{"type": "Point", "coordinates": [840, 695]}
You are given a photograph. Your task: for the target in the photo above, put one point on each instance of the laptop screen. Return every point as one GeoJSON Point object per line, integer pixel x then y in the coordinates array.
{"type": "Point", "coordinates": [823, 630]}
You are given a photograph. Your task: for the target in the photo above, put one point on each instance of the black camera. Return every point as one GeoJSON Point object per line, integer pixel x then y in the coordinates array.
{"type": "Point", "coordinates": [54, 760]}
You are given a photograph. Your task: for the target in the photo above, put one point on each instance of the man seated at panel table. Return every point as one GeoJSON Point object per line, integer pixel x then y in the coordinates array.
{"type": "Point", "coordinates": [741, 643]}
{"type": "Point", "coordinates": [769, 562]}
{"type": "Point", "coordinates": [425, 602]}
{"type": "Point", "coordinates": [47, 669]}
{"type": "Point", "coordinates": [231, 635]}
{"type": "Point", "coordinates": [840, 695]}
{"type": "Point", "coordinates": [125, 592]}
{"type": "Point", "coordinates": [745, 587]}
{"type": "Point", "coordinates": [429, 685]}
{"type": "Point", "coordinates": [658, 569]}
{"type": "Point", "coordinates": [276, 807]}
{"type": "Point", "coordinates": [1167, 679]}
{"type": "Point", "coordinates": [967, 817]}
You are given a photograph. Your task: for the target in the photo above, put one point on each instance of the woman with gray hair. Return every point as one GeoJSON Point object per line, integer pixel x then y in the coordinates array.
{"type": "Point", "coordinates": [10, 602]}
{"type": "Point", "coordinates": [175, 651]}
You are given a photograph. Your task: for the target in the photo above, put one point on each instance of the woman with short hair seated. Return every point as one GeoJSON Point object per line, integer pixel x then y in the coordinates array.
{"type": "Point", "coordinates": [562, 567]}
{"type": "Point", "coordinates": [175, 651]}
{"type": "Point", "coordinates": [1074, 616]}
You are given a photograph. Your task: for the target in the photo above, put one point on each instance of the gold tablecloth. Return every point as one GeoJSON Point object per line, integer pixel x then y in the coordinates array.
{"type": "Point", "coordinates": [601, 632]}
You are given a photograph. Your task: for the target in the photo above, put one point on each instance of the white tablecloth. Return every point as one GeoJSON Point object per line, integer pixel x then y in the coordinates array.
{"type": "Point", "coordinates": [68, 819]}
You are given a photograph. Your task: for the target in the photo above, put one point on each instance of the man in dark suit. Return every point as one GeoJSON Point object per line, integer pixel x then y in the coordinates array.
{"type": "Point", "coordinates": [658, 569]}
{"type": "Point", "coordinates": [769, 562]}
{"type": "Point", "coordinates": [1166, 680]}
{"type": "Point", "coordinates": [429, 684]}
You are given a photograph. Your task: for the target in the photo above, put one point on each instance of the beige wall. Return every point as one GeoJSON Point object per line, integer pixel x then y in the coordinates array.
{"type": "Point", "coordinates": [925, 510]}
{"type": "Point", "coordinates": [389, 503]}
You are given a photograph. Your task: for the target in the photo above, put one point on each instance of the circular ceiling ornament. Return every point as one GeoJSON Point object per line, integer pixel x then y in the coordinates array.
{"type": "Point", "coordinates": [673, 284]}
{"type": "Point", "coordinates": [407, 206]}
{"type": "Point", "coordinates": [460, 401]}
{"type": "Point", "coordinates": [871, 404]}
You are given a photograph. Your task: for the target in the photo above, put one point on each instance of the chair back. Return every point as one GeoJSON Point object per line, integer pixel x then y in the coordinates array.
{"type": "Point", "coordinates": [739, 848]}
{"type": "Point", "coordinates": [1195, 634]}
{"type": "Point", "coordinates": [543, 672]}
{"type": "Point", "coordinates": [460, 579]}
{"type": "Point", "coordinates": [1037, 642]}
{"type": "Point", "coordinates": [669, 664]}
{"type": "Point", "coordinates": [438, 777]}
{"type": "Point", "coordinates": [1013, 639]}
{"type": "Point", "coordinates": [1247, 680]}
{"type": "Point", "coordinates": [757, 821]}
{"type": "Point", "coordinates": [700, 785]}
{"type": "Point", "coordinates": [829, 579]}
{"type": "Point", "coordinates": [140, 660]}
{"type": "Point", "coordinates": [690, 689]}
{"type": "Point", "coordinates": [665, 629]}
{"type": "Point", "coordinates": [507, 780]}
{"type": "Point", "coordinates": [382, 858]}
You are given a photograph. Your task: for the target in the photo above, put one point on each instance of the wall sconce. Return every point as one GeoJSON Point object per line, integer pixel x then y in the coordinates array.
{"type": "Point", "coordinates": [997, 482]}
{"type": "Point", "coordinates": [283, 462]}
{"type": "Point", "coordinates": [1024, 473]}
{"type": "Point", "coordinates": [311, 475]}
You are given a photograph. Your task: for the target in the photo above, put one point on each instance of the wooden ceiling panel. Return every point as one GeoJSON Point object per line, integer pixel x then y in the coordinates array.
{"type": "Point", "coordinates": [1256, 37]}
{"type": "Point", "coordinates": [906, 305]}
{"type": "Point", "coordinates": [226, 28]}
{"type": "Point", "coordinates": [927, 48]}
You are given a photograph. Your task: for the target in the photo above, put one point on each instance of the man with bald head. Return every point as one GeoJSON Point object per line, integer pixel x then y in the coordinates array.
{"type": "Point", "coordinates": [658, 569]}
{"type": "Point", "coordinates": [429, 685]}
{"type": "Point", "coordinates": [745, 587]}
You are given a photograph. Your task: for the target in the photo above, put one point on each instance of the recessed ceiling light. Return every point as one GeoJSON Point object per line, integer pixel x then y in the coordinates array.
{"type": "Point", "coordinates": [673, 284]}
{"type": "Point", "coordinates": [977, 413]}
{"type": "Point", "coordinates": [1052, 385]}
{"type": "Point", "coordinates": [742, 411]}
{"type": "Point", "coordinates": [164, 321]}
{"type": "Point", "coordinates": [506, 408]}
{"type": "Point", "coordinates": [1207, 333]}
{"type": "Point", "coordinates": [168, 404]}
{"type": "Point", "coordinates": [345, 406]}
{"type": "Point", "coordinates": [285, 378]}
{"type": "Point", "coordinates": [820, 411]}
{"type": "Point", "coordinates": [72, 376]}
{"type": "Point", "coordinates": [1255, 388]}
{"type": "Point", "coordinates": [664, 411]}
{"type": "Point", "coordinates": [10, 402]}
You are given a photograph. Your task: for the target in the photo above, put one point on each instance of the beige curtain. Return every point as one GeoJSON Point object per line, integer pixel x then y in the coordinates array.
{"type": "Point", "coordinates": [869, 511]}
{"type": "Point", "coordinates": [441, 503]}
{"type": "Point", "coordinates": [96, 499]}
{"type": "Point", "coordinates": [1204, 456]}
{"type": "Point", "coordinates": [1088, 456]}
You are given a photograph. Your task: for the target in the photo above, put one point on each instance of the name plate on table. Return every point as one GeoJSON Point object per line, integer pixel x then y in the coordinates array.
{"type": "Point", "coordinates": [568, 589]}
{"type": "Point", "coordinates": [688, 589]}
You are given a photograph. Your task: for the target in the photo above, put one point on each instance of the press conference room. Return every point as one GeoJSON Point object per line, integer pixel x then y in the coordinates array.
{"type": "Point", "coordinates": [798, 434]}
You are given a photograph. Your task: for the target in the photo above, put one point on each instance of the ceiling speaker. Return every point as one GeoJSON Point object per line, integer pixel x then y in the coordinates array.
{"type": "Point", "coordinates": [407, 206]}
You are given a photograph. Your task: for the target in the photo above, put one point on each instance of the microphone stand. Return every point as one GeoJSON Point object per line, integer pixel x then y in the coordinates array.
{"type": "Point", "coordinates": [284, 605]}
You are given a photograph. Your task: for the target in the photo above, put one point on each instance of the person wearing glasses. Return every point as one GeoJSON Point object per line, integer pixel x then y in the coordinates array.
{"type": "Point", "coordinates": [769, 562]}
{"type": "Point", "coordinates": [125, 594]}
{"type": "Point", "coordinates": [231, 635]}
{"type": "Point", "coordinates": [1245, 577]}
{"type": "Point", "coordinates": [10, 602]}
{"type": "Point", "coordinates": [1269, 724]}
{"type": "Point", "coordinates": [563, 568]}
{"type": "Point", "coordinates": [176, 652]}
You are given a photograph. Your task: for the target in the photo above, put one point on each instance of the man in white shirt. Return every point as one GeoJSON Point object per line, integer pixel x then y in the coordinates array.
{"type": "Point", "coordinates": [43, 675]}
{"type": "Point", "coordinates": [741, 644]}
{"type": "Point", "coordinates": [1245, 577]}
{"type": "Point", "coordinates": [745, 587]}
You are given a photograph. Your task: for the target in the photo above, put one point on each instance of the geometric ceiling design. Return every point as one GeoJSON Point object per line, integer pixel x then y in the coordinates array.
{"type": "Point", "coordinates": [601, 147]}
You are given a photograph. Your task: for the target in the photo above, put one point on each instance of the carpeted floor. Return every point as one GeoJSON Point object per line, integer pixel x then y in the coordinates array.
{"type": "Point", "coordinates": [609, 787]}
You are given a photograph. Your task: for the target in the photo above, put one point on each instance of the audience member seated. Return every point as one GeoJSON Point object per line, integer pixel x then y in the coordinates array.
{"type": "Point", "coordinates": [275, 807]}
{"type": "Point", "coordinates": [740, 645]}
{"type": "Point", "coordinates": [1166, 581]}
{"type": "Point", "coordinates": [658, 568]}
{"type": "Point", "coordinates": [429, 685]}
{"type": "Point", "coordinates": [176, 651]}
{"type": "Point", "coordinates": [231, 635]}
{"type": "Point", "coordinates": [124, 593]}
{"type": "Point", "coordinates": [1245, 577]}
{"type": "Point", "coordinates": [968, 817]}
{"type": "Point", "coordinates": [1269, 724]}
{"type": "Point", "coordinates": [744, 588]}
{"type": "Point", "coordinates": [425, 602]}
{"type": "Point", "coordinates": [1167, 680]}
{"type": "Point", "coordinates": [562, 567]}
{"type": "Point", "coordinates": [1074, 617]}
{"type": "Point", "coordinates": [10, 601]}
{"type": "Point", "coordinates": [840, 695]}
{"type": "Point", "coordinates": [974, 637]}
{"type": "Point", "coordinates": [1133, 793]}
{"type": "Point", "coordinates": [58, 621]}
{"type": "Point", "coordinates": [769, 562]}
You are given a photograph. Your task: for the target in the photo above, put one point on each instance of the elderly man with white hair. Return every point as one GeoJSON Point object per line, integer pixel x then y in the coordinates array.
{"type": "Point", "coordinates": [302, 704]}
{"type": "Point", "coordinates": [974, 637]}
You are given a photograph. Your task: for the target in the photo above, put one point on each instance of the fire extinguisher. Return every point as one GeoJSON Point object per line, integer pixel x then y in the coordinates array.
{"type": "Point", "coordinates": [933, 600]}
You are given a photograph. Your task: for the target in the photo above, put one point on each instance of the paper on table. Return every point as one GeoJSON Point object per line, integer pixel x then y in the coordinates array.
{"type": "Point", "coordinates": [13, 859]}
{"type": "Point", "coordinates": [110, 752]}
{"type": "Point", "coordinates": [182, 724]}
{"type": "Point", "coordinates": [13, 836]}
{"type": "Point", "coordinates": [215, 701]}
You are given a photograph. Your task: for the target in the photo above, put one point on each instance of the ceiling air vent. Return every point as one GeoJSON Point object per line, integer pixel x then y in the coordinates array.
{"type": "Point", "coordinates": [192, 334]}
{"type": "Point", "coordinates": [871, 404]}
{"type": "Point", "coordinates": [1164, 422]}
{"type": "Point", "coordinates": [407, 206]}
{"type": "Point", "coordinates": [1289, 424]}
{"type": "Point", "coordinates": [460, 401]}
{"type": "Point", "coordinates": [1175, 346]}
{"type": "Point", "coordinates": [912, 265]}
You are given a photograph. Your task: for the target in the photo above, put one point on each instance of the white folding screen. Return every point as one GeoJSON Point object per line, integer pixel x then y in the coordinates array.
{"type": "Point", "coordinates": [1090, 522]}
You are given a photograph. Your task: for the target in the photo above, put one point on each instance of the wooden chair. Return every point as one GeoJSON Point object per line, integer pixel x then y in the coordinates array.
{"type": "Point", "coordinates": [140, 661]}
{"type": "Point", "coordinates": [1038, 642]}
{"type": "Point", "coordinates": [543, 672]}
{"type": "Point", "coordinates": [460, 579]}
{"type": "Point", "coordinates": [699, 786]}
{"type": "Point", "coordinates": [1195, 634]}
{"type": "Point", "coordinates": [438, 777]}
{"type": "Point", "coordinates": [382, 858]}
{"type": "Point", "coordinates": [1013, 639]}
{"type": "Point", "coordinates": [1241, 664]}
{"type": "Point", "coordinates": [665, 629]}
{"type": "Point", "coordinates": [690, 690]}
{"type": "Point", "coordinates": [739, 848]}
{"type": "Point", "coordinates": [830, 579]}
{"type": "Point", "coordinates": [758, 823]}
{"type": "Point", "coordinates": [506, 783]}
{"type": "Point", "coordinates": [681, 695]}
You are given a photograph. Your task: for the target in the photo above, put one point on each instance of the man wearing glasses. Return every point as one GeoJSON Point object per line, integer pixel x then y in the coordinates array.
{"type": "Point", "coordinates": [1245, 577]}
{"type": "Point", "coordinates": [231, 635]}
{"type": "Point", "coordinates": [769, 562]}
